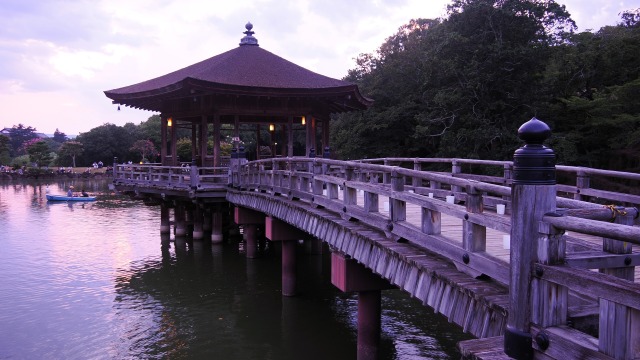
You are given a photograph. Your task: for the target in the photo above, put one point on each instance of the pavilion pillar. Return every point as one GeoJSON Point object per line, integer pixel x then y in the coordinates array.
{"type": "Point", "coordinates": [278, 230]}
{"type": "Point", "coordinates": [313, 132]}
{"type": "Point", "coordinates": [194, 141]}
{"type": "Point", "coordinates": [165, 226]}
{"type": "Point", "coordinates": [216, 226]}
{"type": "Point", "coordinates": [180, 225]}
{"type": "Point", "coordinates": [325, 132]}
{"type": "Point", "coordinates": [217, 139]}
{"type": "Point", "coordinates": [308, 134]}
{"type": "Point", "coordinates": [198, 232]}
{"type": "Point", "coordinates": [348, 275]}
{"type": "Point", "coordinates": [174, 148]}
{"type": "Point", "coordinates": [290, 137]}
{"type": "Point", "coordinates": [163, 141]}
{"type": "Point", "coordinates": [204, 136]}
{"type": "Point", "coordinates": [236, 129]}
{"type": "Point", "coordinates": [249, 219]}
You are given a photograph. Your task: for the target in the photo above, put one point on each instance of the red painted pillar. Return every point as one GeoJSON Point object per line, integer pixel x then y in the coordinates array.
{"type": "Point", "coordinates": [165, 226]}
{"type": "Point", "coordinates": [369, 314]}
{"type": "Point", "coordinates": [249, 219]}
{"type": "Point", "coordinates": [289, 268]}
{"type": "Point", "coordinates": [251, 240]}
{"type": "Point", "coordinates": [348, 275]}
{"type": "Point", "coordinates": [216, 227]}
{"type": "Point", "coordinates": [198, 233]}
{"type": "Point", "coordinates": [278, 230]}
{"type": "Point", "coordinates": [179, 221]}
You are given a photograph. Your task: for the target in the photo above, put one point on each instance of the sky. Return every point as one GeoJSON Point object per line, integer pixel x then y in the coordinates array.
{"type": "Point", "coordinates": [58, 56]}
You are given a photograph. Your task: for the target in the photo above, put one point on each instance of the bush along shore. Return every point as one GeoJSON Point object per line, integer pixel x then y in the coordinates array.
{"type": "Point", "coordinates": [7, 173]}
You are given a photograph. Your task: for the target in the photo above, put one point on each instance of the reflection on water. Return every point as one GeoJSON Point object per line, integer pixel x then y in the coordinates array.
{"type": "Point", "coordinates": [96, 280]}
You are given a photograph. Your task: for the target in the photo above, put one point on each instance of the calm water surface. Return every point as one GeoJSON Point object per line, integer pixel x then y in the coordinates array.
{"type": "Point", "coordinates": [97, 281]}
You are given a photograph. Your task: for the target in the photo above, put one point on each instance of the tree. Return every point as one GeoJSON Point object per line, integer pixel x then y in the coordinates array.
{"type": "Point", "coordinates": [145, 148]}
{"type": "Point", "coordinates": [458, 87]}
{"type": "Point", "coordinates": [59, 137]}
{"type": "Point", "coordinates": [183, 149]}
{"type": "Point", "coordinates": [151, 129]}
{"type": "Point", "coordinates": [105, 142]}
{"type": "Point", "coordinates": [70, 149]}
{"type": "Point", "coordinates": [19, 134]}
{"type": "Point", "coordinates": [5, 158]}
{"type": "Point", "coordinates": [39, 152]}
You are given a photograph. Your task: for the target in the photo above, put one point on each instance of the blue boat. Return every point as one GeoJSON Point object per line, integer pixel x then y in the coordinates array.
{"type": "Point", "coordinates": [70, 198]}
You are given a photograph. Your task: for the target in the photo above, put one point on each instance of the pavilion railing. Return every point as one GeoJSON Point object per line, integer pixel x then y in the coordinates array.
{"type": "Point", "coordinates": [171, 176]}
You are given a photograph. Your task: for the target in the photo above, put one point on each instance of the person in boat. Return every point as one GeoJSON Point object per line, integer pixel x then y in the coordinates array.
{"type": "Point", "coordinates": [70, 191]}
{"type": "Point", "coordinates": [84, 193]}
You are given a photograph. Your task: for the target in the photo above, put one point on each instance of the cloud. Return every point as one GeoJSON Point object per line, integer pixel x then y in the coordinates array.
{"type": "Point", "coordinates": [58, 56]}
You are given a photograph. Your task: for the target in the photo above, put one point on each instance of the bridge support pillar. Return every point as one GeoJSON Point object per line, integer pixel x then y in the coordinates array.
{"type": "Point", "coordinates": [348, 275]}
{"type": "Point", "coordinates": [313, 246]}
{"type": "Point", "coordinates": [277, 230]}
{"type": "Point", "coordinates": [216, 226]}
{"type": "Point", "coordinates": [206, 220]}
{"type": "Point", "coordinates": [180, 225]}
{"type": "Point", "coordinates": [165, 226]}
{"type": "Point", "coordinates": [249, 219]}
{"type": "Point", "coordinates": [198, 232]}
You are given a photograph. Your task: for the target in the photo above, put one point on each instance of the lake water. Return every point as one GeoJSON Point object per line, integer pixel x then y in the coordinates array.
{"type": "Point", "coordinates": [97, 281]}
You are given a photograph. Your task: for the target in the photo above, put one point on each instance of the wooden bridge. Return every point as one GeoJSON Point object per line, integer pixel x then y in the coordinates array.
{"type": "Point", "coordinates": [536, 270]}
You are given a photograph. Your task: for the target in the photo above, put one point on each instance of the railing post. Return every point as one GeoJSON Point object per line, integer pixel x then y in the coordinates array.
{"type": "Point", "coordinates": [386, 176]}
{"type": "Point", "coordinates": [194, 179]}
{"type": "Point", "coordinates": [582, 182]}
{"type": "Point", "coordinates": [416, 182]}
{"type": "Point", "coordinates": [317, 184]}
{"type": "Point", "coordinates": [397, 208]}
{"type": "Point", "coordinates": [349, 194]}
{"type": "Point", "coordinates": [233, 163]}
{"type": "Point", "coordinates": [371, 203]}
{"type": "Point", "coordinates": [474, 236]}
{"type": "Point", "coordinates": [550, 300]}
{"type": "Point", "coordinates": [619, 247]}
{"type": "Point", "coordinates": [506, 181]}
{"type": "Point", "coordinates": [533, 194]}
{"type": "Point", "coordinates": [455, 169]}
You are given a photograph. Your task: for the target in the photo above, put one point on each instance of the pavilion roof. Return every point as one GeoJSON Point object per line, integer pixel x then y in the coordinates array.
{"type": "Point", "coordinates": [246, 70]}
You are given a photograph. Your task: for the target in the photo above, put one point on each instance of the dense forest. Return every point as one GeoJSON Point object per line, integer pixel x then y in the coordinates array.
{"type": "Point", "coordinates": [461, 87]}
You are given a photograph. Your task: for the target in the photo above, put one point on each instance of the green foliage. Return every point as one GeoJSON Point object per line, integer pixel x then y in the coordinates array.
{"type": "Point", "coordinates": [145, 148]}
{"type": "Point", "coordinates": [39, 153]}
{"type": "Point", "coordinates": [461, 87]}
{"type": "Point", "coordinates": [151, 129]}
{"type": "Point", "coordinates": [183, 149]}
{"type": "Point", "coordinates": [69, 151]}
{"type": "Point", "coordinates": [19, 161]}
{"type": "Point", "coordinates": [59, 136]}
{"type": "Point", "coordinates": [18, 135]}
{"type": "Point", "coordinates": [5, 157]}
{"type": "Point", "coordinates": [105, 142]}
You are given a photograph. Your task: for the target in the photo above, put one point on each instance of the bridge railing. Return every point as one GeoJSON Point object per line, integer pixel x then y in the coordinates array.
{"type": "Point", "coordinates": [565, 262]}
{"type": "Point", "coordinates": [173, 176]}
{"type": "Point", "coordinates": [580, 183]}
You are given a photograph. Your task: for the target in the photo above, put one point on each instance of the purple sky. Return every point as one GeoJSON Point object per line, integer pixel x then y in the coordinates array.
{"type": "Point", "coordinates": [58, 56]}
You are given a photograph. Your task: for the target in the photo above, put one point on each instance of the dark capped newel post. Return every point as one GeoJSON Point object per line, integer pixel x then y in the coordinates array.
{"type": "Point", "coordinates": [533, 194]}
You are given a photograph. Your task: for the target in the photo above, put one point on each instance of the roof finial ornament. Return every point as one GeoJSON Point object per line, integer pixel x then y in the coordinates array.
{"type": "Point", "coordinates": [249, 39]}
